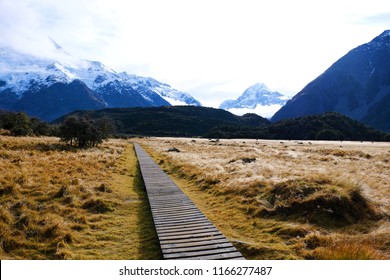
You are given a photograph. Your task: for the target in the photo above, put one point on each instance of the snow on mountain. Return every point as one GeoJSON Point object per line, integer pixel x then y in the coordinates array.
{"type": "Point", "coordinates": [22, 74]}
{"type": "Point", "coordinates": [20, 70]}
{"type": "Point", "coordinates": [256, 99]}
{"type": "Point", "coordinates": [173, 96]}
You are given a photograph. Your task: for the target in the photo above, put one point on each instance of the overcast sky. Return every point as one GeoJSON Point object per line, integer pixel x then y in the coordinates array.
{"type": "Point", "coordinates": [212, 49]}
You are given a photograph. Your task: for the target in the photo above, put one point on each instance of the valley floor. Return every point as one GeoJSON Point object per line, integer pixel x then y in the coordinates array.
{"type": "Point", "coordinates": [272, 199]}
{"type": "Point", "coordinates": [287, 199]}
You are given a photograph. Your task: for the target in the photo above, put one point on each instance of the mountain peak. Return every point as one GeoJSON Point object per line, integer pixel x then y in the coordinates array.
{"type": "Point", "coordinates": [383, 38]}
{"type": "Point", "coordinates": [258, 90]}
{"type": "Point", "coordinates": [385, 33]}
{"type": "Point", "coordinates": [259, 86]}
{"type": "Point", "coordinates": [258, 99]}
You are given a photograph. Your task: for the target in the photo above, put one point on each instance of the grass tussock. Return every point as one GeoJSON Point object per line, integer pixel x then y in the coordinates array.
{"type": "Point", "coordinates": [62, 203]}
{"type": "Point", "coordinates": [97, 206]}
{"type": "Point", "coordinates": [347, 249]}
{"type": "Point", "coordinates": [297, 200]}
{"type": "Point", "coordinates": [321, 202]}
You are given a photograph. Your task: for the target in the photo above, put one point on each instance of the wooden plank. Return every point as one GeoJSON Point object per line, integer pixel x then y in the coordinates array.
{"type": "Point", "coordinates": [180, 255]}
{"type": "Point", "coordinates": [169, 213]}
{"type": "Point", "coordinates": [197, 248]}
{"type": "Point", "coordinates": [169, 229]}
{"type": "Point", "coordinates": [190, 236]}
{"type": "Point", "coordinates": [227, 256]}
{"type": "Point", "coordinates": [187, 232]}
{"type": "Point", "coordinates": [196, 243]}
{"type": "Point", "coordinates": [189, 240]}
{"type": "Point", "coordinates": [188, 215]}
{"type": "Point", "coordinates": [170, 201]}
{"type": "Point", "coordinates": [186, 225]}
{"type": "Point", "coordinates": [182, 229]}
{"type": "Point", "coordinates": [183, 223]}
{"type": "Point", "coordinates": [169, 210]}
{"type": "Point", "coordinates": [173, 205]}
{"type": "Point", "coordinates": [176, 221]}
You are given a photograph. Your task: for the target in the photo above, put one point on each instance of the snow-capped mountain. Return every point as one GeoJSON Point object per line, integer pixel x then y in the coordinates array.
{"type": "Point", "coordinates": [256, 99]}
{"type": "Point", "coordinates": [51, 87]}
{"type": "Point", "coordinates": [357, 85]}
{"type": "Point", "coordinates": [147, 85]}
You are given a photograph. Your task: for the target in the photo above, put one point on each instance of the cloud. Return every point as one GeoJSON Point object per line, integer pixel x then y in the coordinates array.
{"type": "Point", "coordinates": [224, 45]}
{"type": "Point", "coordinates": [18, 25]}
{"type": "Point", "coordinates": [76, 25]}
{"type": "Point", "coordinates": [380, 18]}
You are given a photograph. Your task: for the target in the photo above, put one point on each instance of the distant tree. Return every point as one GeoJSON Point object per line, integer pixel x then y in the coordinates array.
{"type": "Point", "coordinates": [81, 131]}
{"type": "Point", "coordinates": [41, 128]}
{"type": "Point", "coordinates": [106, 127]}
{"type": "Point", "coordinates": [88, 133]}
{"type": "Point", "coordinates": [68, 130]}
{"type": "Point", "coordinates": [21, 125]}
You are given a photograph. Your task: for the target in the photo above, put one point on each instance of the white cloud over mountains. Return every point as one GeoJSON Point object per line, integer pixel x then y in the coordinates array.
{"type": "Point", "coordinates": [212, 49]}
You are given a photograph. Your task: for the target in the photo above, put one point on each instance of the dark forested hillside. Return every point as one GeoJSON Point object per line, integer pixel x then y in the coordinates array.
{"type": "Point", "coordinates": [176, 121]}
{"type": "Point", "coordinates": [189, 121]}
{"type": "Point", "coordinates": [329, 126]}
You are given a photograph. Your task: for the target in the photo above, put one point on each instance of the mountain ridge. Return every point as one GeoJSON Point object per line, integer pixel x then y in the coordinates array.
{"type": "Point", "coordinates": [24, 76]}
{"type": "Point", "coordinates": [356, 85]}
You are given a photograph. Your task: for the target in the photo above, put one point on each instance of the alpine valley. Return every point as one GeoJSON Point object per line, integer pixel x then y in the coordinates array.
{"type": "Point", "coordinates": [357, 85]}
{"type": "Point", "coordinates": [49, 88]}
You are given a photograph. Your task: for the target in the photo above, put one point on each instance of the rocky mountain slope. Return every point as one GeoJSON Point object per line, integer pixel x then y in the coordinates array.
{"type": "Point", "coordinates": [357, 85]}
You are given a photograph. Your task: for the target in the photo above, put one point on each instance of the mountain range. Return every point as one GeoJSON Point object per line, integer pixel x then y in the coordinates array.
{"type": "Point", "coordinates": [50, 88]}
{"type": "Point", "coordinates": [357, 85]}
{"type": "Point", "coordinates": [258, 99]}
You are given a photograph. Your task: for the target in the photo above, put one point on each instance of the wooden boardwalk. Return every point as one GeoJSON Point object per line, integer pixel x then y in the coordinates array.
{"type": "Point", "coordinates": [183, 231]}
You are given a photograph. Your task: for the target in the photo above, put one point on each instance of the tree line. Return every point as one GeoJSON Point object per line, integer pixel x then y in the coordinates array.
{"type": "Point", "coordinates": [328, 126]}
{"type": "Point", "coordinates": [76, 131]}
{"type": "Point", "coordinates": [86, 130]}
{"type": "Point", "coordinates": [19, 124]}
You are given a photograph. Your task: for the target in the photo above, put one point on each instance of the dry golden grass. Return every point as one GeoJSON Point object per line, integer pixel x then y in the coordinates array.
{"type": "Point", "coordinates": [61, 203]}
{"type": "Point", "coordinates": [288, 199]}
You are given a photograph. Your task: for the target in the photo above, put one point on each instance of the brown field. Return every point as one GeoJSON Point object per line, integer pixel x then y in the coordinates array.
{"type": "Point", "coordinates": [287, 199]}
{"type": "Point", "coordinates": [272, 199]}
{"type": "Point", "coordinates": [61, 203]}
